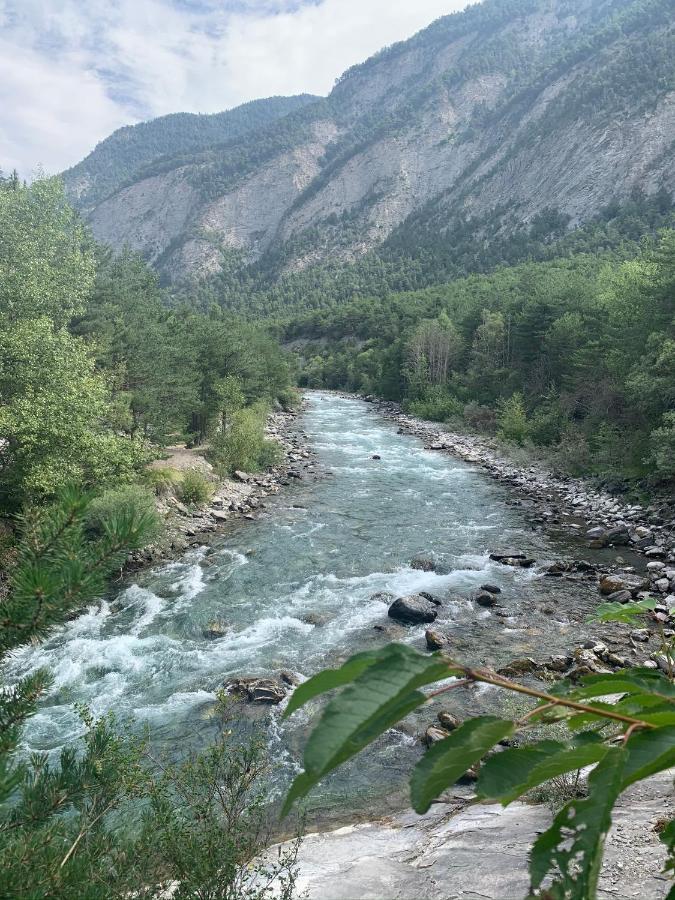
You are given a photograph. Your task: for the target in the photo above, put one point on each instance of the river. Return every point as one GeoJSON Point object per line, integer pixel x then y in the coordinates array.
{"type": "Point", "coordinates": [295, 590]}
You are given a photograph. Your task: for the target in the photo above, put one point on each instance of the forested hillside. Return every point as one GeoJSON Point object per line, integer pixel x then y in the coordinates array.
{"type": "Point", "coordinates": [576, 355]}
{"type": "Point", "coordinates": [128, 152]}
{"type": "Point", "coordinates": [513, 121]}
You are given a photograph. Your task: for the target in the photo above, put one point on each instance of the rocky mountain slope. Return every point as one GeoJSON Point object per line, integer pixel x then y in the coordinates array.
{"type": "Point", "coordinates": [514, 111]}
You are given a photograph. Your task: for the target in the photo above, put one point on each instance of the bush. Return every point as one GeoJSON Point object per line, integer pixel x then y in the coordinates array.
{"type": "Point", "coordinates": [548, 422]}
{"type": "Point", "coordinates": [512, 419]}
{"type": "Point", "coordinates": [128, 499]}
{"type": "Point", "coordinates": [162, 480]}
{"type": "Point", "coordinates": [195, 488]}
{"type": "Point", "coordinates": [437, 405]}
{"type": "Point", "coordinates": [663, 445]}
{"type": "Point", "coordinates": [480, 417]}
{"type": "Point", "coordinates": [243, 445]}
{"type": "Point", "coordinates": [573, 454]}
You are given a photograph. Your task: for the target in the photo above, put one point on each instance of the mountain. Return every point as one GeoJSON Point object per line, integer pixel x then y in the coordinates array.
{"type": "Point", "coordinates": [536, 113]}
{"type": "Point", "coordinates": [120, 159]}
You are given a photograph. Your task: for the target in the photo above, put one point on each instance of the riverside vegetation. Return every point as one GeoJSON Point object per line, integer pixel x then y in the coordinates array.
{"type": "Point", "coordinates": [96, 375]}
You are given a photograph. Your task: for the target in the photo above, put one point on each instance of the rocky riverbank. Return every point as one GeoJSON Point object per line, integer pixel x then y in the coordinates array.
{"type": "Point", "coordinates": [238, 498]}
{"type": "Point", "coordinates": [569, 504]}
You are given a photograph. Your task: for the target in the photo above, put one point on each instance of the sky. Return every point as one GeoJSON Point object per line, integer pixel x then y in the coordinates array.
{"type": "Point", "coordinates": [72, 71]}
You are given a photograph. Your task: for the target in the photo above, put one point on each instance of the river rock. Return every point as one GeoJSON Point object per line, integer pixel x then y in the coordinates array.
{"type": "Point", "coordinates": [433, 735]}
{"type": "Point", "coordinates": [382, 597]}
{"type": "Point", "coordinates": [520, 666]}
{"type": "Point", "coordinates": [623, 581]}
{"type": "Point", "coordinates": [257, 690]}
{"type": "Point", "coordinates": [501, 555]}
{"type": "Point", "coordinates": [620, 597]}
{"type": "Point", "coordinates": [491, 588]}
{"type": "Point", "coordinates": [423, 563]}
{"type": "Point", "coordinates": [413, 610]}
{"type": "Point", "coordinates": [215, 630]}
{"type": "Point", "coordinates": [485, 598]}
{"type": "Point", "coordinates": [376, 456]}
{"type": "Point", "coordinates": [617, 536]}
{"type": "Point", "coordinates": [560, 662]}
{"type": "Point", "coordinates": [517, 561]}
{"type": "Point", "coordinates": [448, 721]}
{"type": "Point", "coordinates": [435, 640]}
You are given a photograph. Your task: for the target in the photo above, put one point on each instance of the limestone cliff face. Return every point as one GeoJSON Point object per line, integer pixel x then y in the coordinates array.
{"type": "Point", "coordinates": [512, 106]}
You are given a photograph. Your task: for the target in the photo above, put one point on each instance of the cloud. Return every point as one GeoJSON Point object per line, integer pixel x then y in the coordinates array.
{"type": "Point", "coordinates": [72, 72]}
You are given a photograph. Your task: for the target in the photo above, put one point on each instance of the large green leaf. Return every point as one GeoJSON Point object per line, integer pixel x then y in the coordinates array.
{"type": "Point", "coordinates": [379, 696]}
{"type": "Point", "coordinates": [330, 679]}
{"type": "Point", "coordinates": [570, 851]}
{"type": "Point", "coordinates": [449, 759]}
{"type": "Point", "coordinates": [508, 775]}
{"type": "Point", "coordinates": [649, 752]}
{"type": "Point", "coordinates": [622, 612]}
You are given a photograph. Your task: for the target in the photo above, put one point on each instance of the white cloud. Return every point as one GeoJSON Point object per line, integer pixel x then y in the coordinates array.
{"type": "Point", "coordinates": [71, 71]}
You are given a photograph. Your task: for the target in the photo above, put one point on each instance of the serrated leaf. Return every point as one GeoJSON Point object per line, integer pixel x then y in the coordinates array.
{"type": "Point", "coordinates": [570, 851]}
{"type": "Point", "coordinates": [649, 751]}
{"type": "Point", "coordinates": [635, 681]}
{"type": "Point", "coordinates": [510, 774]}
{"type": "Point", "coordinates": [330, 679]}
{"type": "Point", "coordinates": [379, 696]}
{"type": "Point", "coordinates": [449, 759]}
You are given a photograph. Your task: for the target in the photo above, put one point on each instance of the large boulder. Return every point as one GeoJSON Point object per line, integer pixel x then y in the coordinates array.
{"type": "Point", "coordinates": [413, 610]}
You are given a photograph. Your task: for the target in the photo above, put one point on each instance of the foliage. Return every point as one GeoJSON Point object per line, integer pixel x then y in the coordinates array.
{"type": "Point", "coordinates": [241, 443]}
{"type": "Point", "coordinates": [195, 487]}
{"type": "Point", "coordinates": [46, 259]}
{"type": "Point", "coordinates": [54, 416]}
{"type": "Point", "coordinates": [512, 419]}
{"type": "Point", "coordinates": [161, 479]}
{"type": "Point", "coordinates": [437, 404]}
{"type": "Point", "coordinates": [60, 565]}
{"type": "Point", "coordinates": [127, 500]}
{"type": "Point", "coordinates": [207, 826]}
{"type": "Point", "coordinates": [107, 822]}
{"type": "Point", "coordinates": [576, 355]}
{"type": "Point", "coordinates": [100, 821]}
{"type": "Point", "coordinates": [626, 741]}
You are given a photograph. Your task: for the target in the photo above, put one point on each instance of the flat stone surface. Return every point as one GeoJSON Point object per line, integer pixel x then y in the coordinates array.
{"type": "Point", "coordinates": [479, 852]}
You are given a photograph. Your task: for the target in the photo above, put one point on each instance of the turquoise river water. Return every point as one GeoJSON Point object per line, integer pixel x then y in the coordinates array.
{"type": "Point", "coordinates": [295, 589]}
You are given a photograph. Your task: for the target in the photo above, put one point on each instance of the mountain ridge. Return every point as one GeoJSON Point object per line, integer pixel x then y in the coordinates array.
{"type": "Point", "coordinates": [503, 112]}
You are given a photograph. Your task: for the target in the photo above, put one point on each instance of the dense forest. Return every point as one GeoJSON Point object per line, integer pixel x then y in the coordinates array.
{"type": "Point", "coordinates": [574, 354]}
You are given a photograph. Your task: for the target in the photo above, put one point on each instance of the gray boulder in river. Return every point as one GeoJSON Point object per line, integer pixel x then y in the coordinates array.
{"type": "Point", "coordinates": [414, 610]}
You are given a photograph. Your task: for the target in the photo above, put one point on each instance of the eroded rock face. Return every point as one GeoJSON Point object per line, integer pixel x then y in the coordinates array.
{"type": "Point", "coordinates": [333, 162]}
{"type": "Point", "coordinates": [452, 852]}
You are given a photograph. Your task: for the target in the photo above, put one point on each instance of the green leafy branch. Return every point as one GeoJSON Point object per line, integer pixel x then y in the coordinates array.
{"type": "Point", "coordinates": [626, 741]}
